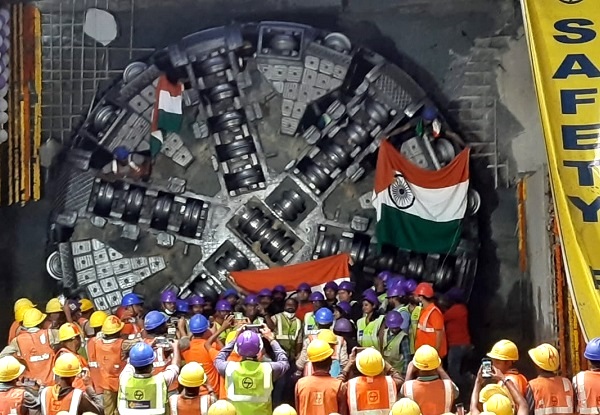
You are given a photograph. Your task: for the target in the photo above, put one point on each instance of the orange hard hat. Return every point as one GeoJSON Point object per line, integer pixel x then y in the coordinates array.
{"type": "Point", "coordinates": [424, 289]}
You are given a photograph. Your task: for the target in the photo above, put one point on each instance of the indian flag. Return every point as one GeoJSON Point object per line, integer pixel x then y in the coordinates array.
{"type": "Point", "coordinates": [168, 108]}
{"type": "Point", "coordinates": [419, 210]}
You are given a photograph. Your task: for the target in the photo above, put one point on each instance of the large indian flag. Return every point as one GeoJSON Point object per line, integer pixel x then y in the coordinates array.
{"type": "Point", "coordinates": [168, 108]}
{"type": "Point", "coordinates": [419, 210]}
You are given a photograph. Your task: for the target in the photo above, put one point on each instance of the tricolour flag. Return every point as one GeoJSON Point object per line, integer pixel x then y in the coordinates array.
{"type": "Point", "coordinates": [419, 210]}
{"type": "Point", "coordinates": [168, 108]}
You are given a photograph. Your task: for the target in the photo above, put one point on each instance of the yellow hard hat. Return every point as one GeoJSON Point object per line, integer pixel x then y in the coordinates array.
{"type": "Point", "coordinates": [546, 357]}
{"type": "Point", "coordinates": [20, 312]}
{"type": "Point", "coordinates": [85, 305]}
{"type": "Point", "coordinates": [33, 317]}
{"type": "Point", "coordinates": [97, 319]}
{"type": "Point", "coordinates": [68, 331]}
{"type": "Point", "coordinates": [498, 404]}
{"type": "Point", "coordinates": [405, 406]}
{"type": "Point", "coordinates": [370, 362]}
{"type": "Point", "coordinates": [490, 390]}
{"type": "Point", "coordinates": [327, 336]}
{"type": "Point", "coordinates": [318, 350]}
{"type": "Point", "coordinates": [67, 366]}
{"type": "Point", "coordinates": [426, 358]}
{"type": "Point", "coordinates": [230, 337]}
{"type": "Point", "coordinates": [284, 409]}
{"type": "Point", "coordinates": [23, 302]}
{"type": "Point", "coordinates": [53, 306]}
{"type": "Point", "coordinates": [504, 350]}
{"type": "Point", "coordinates": [222, 407]}
{"type": "Point", "coordinates": [192, 375]}
{"type": "Point", "coordinates": [10, 369]}
{"type": "Point", "coordinates": [112, 325]}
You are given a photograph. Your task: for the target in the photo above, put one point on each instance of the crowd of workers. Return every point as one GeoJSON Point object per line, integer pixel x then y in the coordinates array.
{"type": "Point", "coordinates": [308, 353]}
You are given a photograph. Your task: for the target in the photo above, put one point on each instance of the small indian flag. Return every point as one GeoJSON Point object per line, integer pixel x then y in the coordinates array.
{"type": "Point", "coordinates": [168, 108]}
{"type": "Point", "coordinates": [419, 210]}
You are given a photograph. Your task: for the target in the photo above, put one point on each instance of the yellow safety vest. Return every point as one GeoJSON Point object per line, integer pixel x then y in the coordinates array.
{"type": "Point", "coordinates": [143, 396]}
{"type": "Point", "coordinates": [414, 326]}
{"type": "Point", "coordinates": [367, 333]}
{"type": "Point", "coordinates": [249, 385]}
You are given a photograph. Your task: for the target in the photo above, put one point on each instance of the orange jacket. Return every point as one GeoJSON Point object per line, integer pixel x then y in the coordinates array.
{"type": "Point", "coordinates": [11, 401]}
{"type": "Point", "coordinates": [374, 394]}
{"type": "Point", "coordinates": [435, 397]}
{"type": "Point", "coordinates": [110, 363]}
{"type": "Point", "coordinates": [198, 353]}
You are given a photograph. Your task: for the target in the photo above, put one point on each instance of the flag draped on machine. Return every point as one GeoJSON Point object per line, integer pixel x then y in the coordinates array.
{"type": "Point", "coordinates": [168, 111]}
{"type": "Point", "coordinates": [419, 210]}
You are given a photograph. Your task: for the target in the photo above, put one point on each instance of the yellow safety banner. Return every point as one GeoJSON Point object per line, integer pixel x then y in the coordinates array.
{"type": "Point", "coordinates": [564, 43]}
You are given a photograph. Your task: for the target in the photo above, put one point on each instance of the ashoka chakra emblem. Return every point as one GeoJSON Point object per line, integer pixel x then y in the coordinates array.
{"type": "Point", "coordinates": [400, 193]}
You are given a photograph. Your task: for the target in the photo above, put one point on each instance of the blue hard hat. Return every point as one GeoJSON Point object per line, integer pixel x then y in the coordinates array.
{"type": "Point", "coordinates": [324, 316]}
{"type": "Point", "coordinates": [230, 292]}
{"type": "Point", "coordinates": [141, 354]}
{"type": "Point", "coordinates": [198, 324]}
{"type": "Point", "coordinates": [592, 349]}
{"type": "Point", "coordinates": [130, 299]}
{"type": "Point", "coordinates": [429, 113]}
{"type": "Point", "coordinates": [182, 306]}
{"type": "Point", "coordinates": [121, 153]}
{"type": "Point", "coordinates": [154, 319]}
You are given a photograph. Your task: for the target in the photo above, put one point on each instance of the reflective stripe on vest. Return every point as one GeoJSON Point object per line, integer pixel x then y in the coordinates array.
{"type": "Point", "coordinates": [391, 350]}
{"type": "Point", "coordinates": [287, 331]}
{"type": "Point", "coordinates": [205, 402]}
{"type": "Point", "coordinates": [11, 401]}
{"type": "Point", "coordinates": [237, 372]}
{"type": "Point", "coordinates": [583, 408]}
{"type": "Point", "coordinates": [368, 333]}
{"type": "Point", "coordinates": [310, 325]}
{"type": "Point", "coordinates": [137, 395]}
{"type": "Point", "coordinates": [423, 327]}
{"type": "Point", "coordinates": [448, 392]}
{"type": "Point", "coordinates": [549, 392]}
{"type": "Point", "coordinates": [73, 407]}
{"type": "Point", "coordinates": [353, 396]}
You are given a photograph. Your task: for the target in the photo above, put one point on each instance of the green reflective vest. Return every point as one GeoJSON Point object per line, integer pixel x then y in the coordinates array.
{"type": "Point", "coordinates": [287, 333]}
{"type": "Point", "coordinates": [249, 385]}
{"type": "Point", "coordinates": [143, 396]}
{"type": "Point", "coordinates": [391, 350]}
{"type": "Point", "coordinates": [367, 333]}
{"type": "Point", "coordinates": [310, 324]}
{"type": "Point", "coordinates": [414, 324]}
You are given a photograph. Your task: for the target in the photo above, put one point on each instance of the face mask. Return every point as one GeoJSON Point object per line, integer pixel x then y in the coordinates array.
{"type": "Point", "coordinates": [169, 312]}
{"type": "Point", "coordinates": [289, 315]}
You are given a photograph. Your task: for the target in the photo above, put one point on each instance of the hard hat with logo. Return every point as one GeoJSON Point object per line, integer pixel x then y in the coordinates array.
{"type": "Point", "coordinates": [490, 390]}
{"type": "Point", "coordinates": [85, 305]}
{"type": "Point", "coordinates": [154, 319]}
{"type": "Point", "coordinates": [33, 317]}
{"type": "Point", "coordinates": [54, 306]}
{"type": "Point", "coordinates": [424, 289]}
{"type": "Point", "coordinates": [284, 409]}
{"type": "Point", "coordinates": [196, 300]}
{"type": "Point", "coordinates": [316, 296]}
{"type": "Point", "coordinates": [545, 356]}
{"type": "Point", "coordinates": [68, 331]}
{"type": "Point", "coordinates": [498, 404]}
{"type": "Point", "coordinates": [192, 375]}
{"type": "Point", "coordinates": [67, 365]}
{"type": "Point", "coordinates": [324, 316]}
{"type": "Point", "coordinates": [10, 369]}
{"type": "Point", "coordinates": [592, 349]}
{"type": "Point", "coordinates": [248, 344]}
{"type": "Point", "coordinates": [97, 319]}
{"type": "Point", "coordinates": [223, 305]}
{"type": "Point", "coordinates": [504, 350]}
{"type": "Point", "coordinates": [112, 325]}
{"type": "Point", "coordinates": [141, 354]}
{"type": "Point", "coordinates": [318, 350]}
{"type": "Point", "coordinates": [327, 336]}
{"type": "Point", "coordinates": [222, 407]}
{"type": "Point", "coordinates": [22, 302]}
{"type": "Point", "coordinates": [131, 299]}
{"type": "Point", "coordinates": [168, 297]}
{"type": "Point", "coordinates": [251, 300]}
{"type": "Point", "coordinates": [405, 406]}
{"type": "Point", "coordinates": [426, 358]}
{"type": "Point", "coordinates": [370, 362]}
{"type": "Point", "coordinates": [198, 324]}
{"type": "Point", "coordinates": [20, 312]}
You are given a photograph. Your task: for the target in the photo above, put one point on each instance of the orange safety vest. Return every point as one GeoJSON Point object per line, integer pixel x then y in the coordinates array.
{"type": "Point", "coordinates": [93, 364]}
{"type": "Point", "coordinates": [51, 404]}
{"type": "Point", "coordinates": [130, 327]}
{"type": "Point", "coordinates": [36, 351]}
{"type": "Point", "coordinates": [371, 395]}
{"type": "Point", "coordinates": [14, 330]}
{"type": "Point", "coordinates": [78, 382]}
{"type": "Point", "coordinates": [426, 334]}
{"type": "Point", "coordinates": [110, 363]}
{"type": "Point", "coordinates": [434, 397]}
{"type": "Point", "coordinates": [317, 395]}
{"type": "Point", "coordinates": [519, 380]}
{"type": "Point", "coordinates": [184, 405]}
{"type": "Point", "coordinates": [587, 388]}
{"type": "Point", "coordinates": [233, 357]}
{"type": "Point", "coordinates": [337, 350]}
{"type": "Point", "coordinates": [11, 401]}
{"type": "Point", "coordinates": [198, 353]}
{"type": "Point", "coordinates": [552, 395]}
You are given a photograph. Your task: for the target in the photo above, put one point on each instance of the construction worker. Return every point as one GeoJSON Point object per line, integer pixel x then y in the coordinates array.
{"type": "Point", "coordinates": [342, 309]}
{"type": "Point", "coordinates": [368, 326]}
{"type": "Point", "coordinates": [265, 298]}
{"type": "Point", "coordinates": [182, 312]}
{"type": "Point", "coordinates": [132, 309]}
{"type": "Point", "coordinates": [405, 406]}
{"type": "Point", "coordinates": [223, 310]}
{"type": "Point", "coordinates": [233, 357]}
{"type": "Point", "coordinates": [279, 294]}
{"type": "Point", "coordinates": [86, 308]}
{"type": "Point", "coordinates": [251, 306]}
{"type": "Point", "coordinates": [21, 305]}
{"type": "Point", "coordinates": [250, 382]}
{"type": "Point", "coordinates": [168, 301]}
{"type": "Point", "coordinates": [70, 342]}
{"type": "Point", "coordinates": [551, 393]}
{"type": "Point", "coordinates": [284, 409]}
{"type": "Point", "coordinates": [310, 325]}
{"type": "Point", "coordinates": [456, 326]}
{"type": "Point", "coordinates": [64, 396]}
{"type": "Point", "coordinates": [415, 308]}
{"type": "Point", "coordinates": [156, 324]}
{"type": "Point", "coordinates": [95, 323]}
{"type": "Point", "coordinates": [379, 286]}
{"type": "Point", "coordinates": [346, 293]}
{"type": "Point", "coordinates": [141, 392]}
{"type": "Point", "coordinates": [197, 304]}
{"type": "Point", "coordinates": [396, 347]}
{"type": "Point", "coordinates": [330, 289]}
{"type": "Point", "coordinates": [428, 384]}
{"type": "Point", "coordinates": [193, 349]}
{"type": "Point", "coordinates": [504, 355]}
{"type": "Point", "coordinates": [586, 383]}
{"type": "Point", "coordinates": [372, 392]}
{"type": "Point", "coordinates": [190, 401]}
{"type": "Point", "coordinates": [303, 292]}
{"type": "Point", "coordinates": [398, 300]}
{"type": "Point", "coordinates": [35, 347]}
{"type": "Point", "coordinates": [15, 399]}
{"type": "Point", "coordinates": [320, 393]}
{"type": "Point", "coordinates": [231, 296]}
{"type": "Point", "coordinates": [345, 329]}
{"type": "Point", "coordinates": [222, 407]}
{"type": "Point", "coordinates": [430, 329]}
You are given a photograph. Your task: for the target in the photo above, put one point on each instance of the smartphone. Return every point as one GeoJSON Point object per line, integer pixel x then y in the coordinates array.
{"type": "Point", "coordinates": [238, 315]}
{"type": "Point", "coordinates": [254, 327]}
{"type": "Point", "coordinates": [486, 368]}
